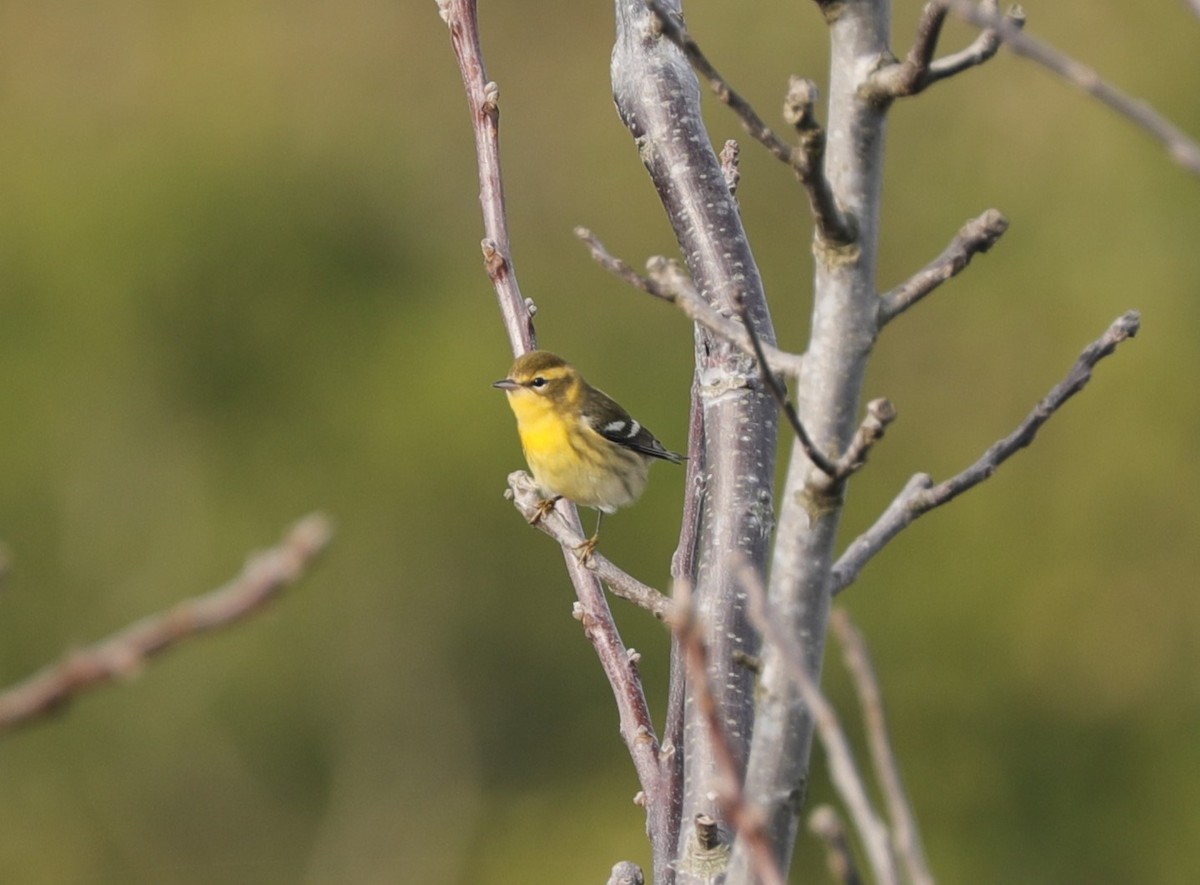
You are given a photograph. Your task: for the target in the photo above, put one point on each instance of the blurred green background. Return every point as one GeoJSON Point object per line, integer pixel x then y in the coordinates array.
{"type": "Point", "coordinates": [240, 280]}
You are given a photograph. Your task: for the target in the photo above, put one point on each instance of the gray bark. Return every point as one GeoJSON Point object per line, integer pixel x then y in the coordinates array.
{"type": "Point", "coordinates": [658, 98]}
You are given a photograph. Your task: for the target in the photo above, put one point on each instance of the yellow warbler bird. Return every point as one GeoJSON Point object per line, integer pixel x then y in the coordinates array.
{"type": "Point", "coordinates": [580, 444]}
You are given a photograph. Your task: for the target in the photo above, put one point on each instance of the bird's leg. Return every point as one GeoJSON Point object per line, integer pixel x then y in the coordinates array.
{"type": "Point", "coordinates": [588, 547]}
{"type": "Point", "coordinates": [543, 509]}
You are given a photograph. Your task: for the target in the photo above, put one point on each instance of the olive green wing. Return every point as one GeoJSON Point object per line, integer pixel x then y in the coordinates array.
{"type": "Point", "coordinates": [605, 416]}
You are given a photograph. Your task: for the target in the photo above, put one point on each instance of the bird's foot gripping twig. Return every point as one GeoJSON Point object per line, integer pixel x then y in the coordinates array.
{"type": "Point", "coordinates": [543, 508]}
{"type": "Point", "coordinates": [585, 550]}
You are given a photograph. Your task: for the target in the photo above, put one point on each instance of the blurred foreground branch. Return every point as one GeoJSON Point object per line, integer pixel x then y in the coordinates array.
{"type": "Point", "coordinates": [906, 836]}
{"type": "Point", "coordinates": [265, 576]}
{"type": "Point", "coordinates": [826, 825]}
{"type": "Point", "coordinates": [843, 769]}
{"type": "Point", "coordinates": [709, 853]}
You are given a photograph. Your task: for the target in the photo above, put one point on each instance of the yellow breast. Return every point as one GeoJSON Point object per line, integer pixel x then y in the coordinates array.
{"type": "Point", "coordinates": [582, 466]}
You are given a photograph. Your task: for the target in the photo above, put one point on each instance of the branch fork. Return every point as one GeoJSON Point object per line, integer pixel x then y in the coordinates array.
{"type": "Point", "coordinates": [526, 497]}
{"type": "Point", "coordinates": [920, 69]}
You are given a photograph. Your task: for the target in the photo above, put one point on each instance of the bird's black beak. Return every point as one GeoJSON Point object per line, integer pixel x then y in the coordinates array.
{"type": "Point", "coordinates": [506, 384]}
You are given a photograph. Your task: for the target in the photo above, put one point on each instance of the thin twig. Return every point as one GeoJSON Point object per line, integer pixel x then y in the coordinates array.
{"type": "Point", "coordinates": [1182, 148]}
{"type": "Point", "coordinates": [842, 768]}
{"type": "Point", "coordinates": [746, 820]}
{"type": "Point", "coordinates": [880, 413]}
{"type": "Point", "coordinates": [976, 236]}
{"type": "Point", "coordinates": [483, 96]}
{"type": "Point", "coordinates": [672, 27]}
{"type": "Point", "coordinates": [525, 495]}
{"type": "Point", "coordinates": [683, 567]}
{"type": "Point", "coordinates": [671, 278]}
{"type": "Point", "coordinates": [669, 282]}
{"type": "Point", "coordinates": [653, 763]}
{"type": "Point", "coordinates": [687, 299]}
{"type": "Point", "coordinates": [806, 160]}
{"type": "Point", "coordinates": [825, 824]}
{"type": "Point", "coordinates": [982, 48]}
{"type": "Point", "coordinates": [777, 389]}
{"type": "Point", "coordinates": [683, 560]}
{"type": "Point", "coordinates": [920, 495]}
{"type": "Point", "coordinates": [620, 669]}
{"type": "Point", "coordinates": [124, 653]}
{"type": "Point", "coordinates": [905, 833]}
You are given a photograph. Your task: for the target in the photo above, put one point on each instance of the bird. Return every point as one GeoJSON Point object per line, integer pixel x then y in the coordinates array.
{"type": "Point", "coordinates": [580, 444]}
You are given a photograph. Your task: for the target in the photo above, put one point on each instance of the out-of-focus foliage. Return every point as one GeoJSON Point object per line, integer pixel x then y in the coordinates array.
{"type": "Point", "coordinates": [240, 279]}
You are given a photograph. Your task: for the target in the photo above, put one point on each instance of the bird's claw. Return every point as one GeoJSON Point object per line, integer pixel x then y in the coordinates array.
{"type": "Point", "coordinates": [585, 550]}
{"type": "Point", "coordinates": [543, 508]}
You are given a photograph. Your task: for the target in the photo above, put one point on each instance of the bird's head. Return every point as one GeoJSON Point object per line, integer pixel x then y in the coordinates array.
{"type": "Point", "coordinates": [542, 376]}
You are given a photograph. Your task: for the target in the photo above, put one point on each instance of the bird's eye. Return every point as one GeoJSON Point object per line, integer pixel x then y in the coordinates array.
{"type": "Point", "coordinates": [538, 382]}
